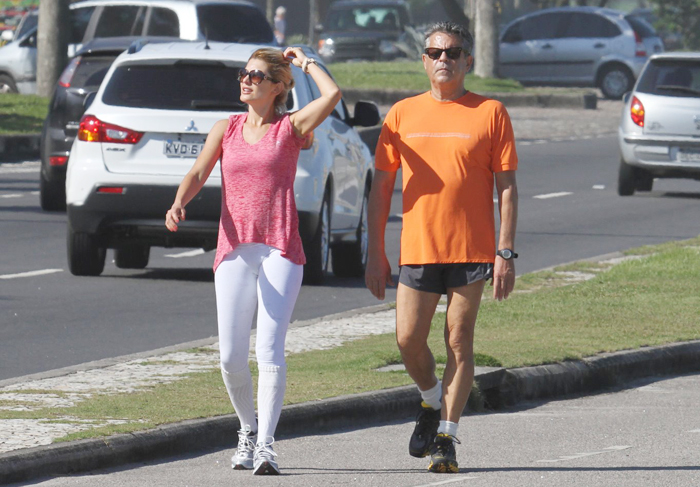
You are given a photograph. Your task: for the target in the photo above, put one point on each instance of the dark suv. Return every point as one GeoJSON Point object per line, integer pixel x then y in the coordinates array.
{"type": "Point", "coordinates": [82, 76]}
{"type": "Point", "coordinates": [363, 29]}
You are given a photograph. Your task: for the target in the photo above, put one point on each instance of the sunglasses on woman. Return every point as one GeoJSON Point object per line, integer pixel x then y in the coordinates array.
{"type": "Point", "coordinates": [256, 76]}
{"type": "Point", "coordinates": [435, 52]}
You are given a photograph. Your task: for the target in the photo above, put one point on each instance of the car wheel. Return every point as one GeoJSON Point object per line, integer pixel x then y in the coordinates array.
{"type": "Point", "coordinates": [350, 258]}
{"type": "Point", "coordinates": [615, 81]}
{"type": "Point", "coordinates": [132, 256]}
{"type": "Point", "coordinates": [52, 196]}
{"type": "Point", "coordinates": [319, 246]}
{"type": "Point", "coordinates": [626, 180]}
{"type": "Point", "coordinates": [7, 84]}
{"type": "Point", "coordinates": [85, 256]}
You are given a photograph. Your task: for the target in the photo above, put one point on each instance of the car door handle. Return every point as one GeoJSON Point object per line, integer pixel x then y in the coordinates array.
{"type": "Point", "coordinates": [546, 46]}
{"type": "Point", "coordinates": [599, 45]}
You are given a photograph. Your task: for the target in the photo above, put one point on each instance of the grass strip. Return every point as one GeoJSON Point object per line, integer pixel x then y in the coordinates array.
{"type": "Point", "coordinates": [22, 114]}
{"type": "Point", "coordinates": [638, 302]}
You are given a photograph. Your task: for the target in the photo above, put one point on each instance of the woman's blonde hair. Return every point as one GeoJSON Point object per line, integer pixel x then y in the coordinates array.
{"type": "Point", "coordinates": [280, 71]}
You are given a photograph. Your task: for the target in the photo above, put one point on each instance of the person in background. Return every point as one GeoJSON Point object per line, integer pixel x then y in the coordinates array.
{"type": "Point", "coordinates": [451, 144]}
{"type": "Point", "coordinates": [280, 25]}
{"type": "Point", "coordinates": [259, 255]}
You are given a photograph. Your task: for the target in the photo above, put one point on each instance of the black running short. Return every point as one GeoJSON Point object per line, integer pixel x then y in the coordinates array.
{"type": "Point", "coordinates": [437, 278]}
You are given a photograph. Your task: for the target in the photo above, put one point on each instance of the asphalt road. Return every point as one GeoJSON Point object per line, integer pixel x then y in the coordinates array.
{"type": "Point", "coordinates": [569, 210]}
{"type": "Point", "coordinates": [646, 435]}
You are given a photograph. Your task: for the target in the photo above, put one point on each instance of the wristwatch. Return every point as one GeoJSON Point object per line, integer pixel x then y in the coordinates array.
{"type": "Point", "coordinates": [507, 254]}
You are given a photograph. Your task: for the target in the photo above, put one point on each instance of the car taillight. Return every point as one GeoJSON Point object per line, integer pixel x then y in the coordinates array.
{"type": "Point", "coordinates": [93, 129]}
{"type": "Point", "coordinates": [58, 160]}
{"type": "Point", "coordinates": [110, 190]}
{"type": "Point", "coordinates": [67, 74]}
{"type": "Point", "coordinates": [321, 43]}
{"type": "Point", "coordinates": [637, 111]}
{"type": "Point", "coordinates": [640, 50]}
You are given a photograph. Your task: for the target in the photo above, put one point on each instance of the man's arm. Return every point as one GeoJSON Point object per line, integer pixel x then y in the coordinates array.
{"type": "Point", "coordinates": [378, 272]}
{"type": "Point", "coordinates": [504, 270]}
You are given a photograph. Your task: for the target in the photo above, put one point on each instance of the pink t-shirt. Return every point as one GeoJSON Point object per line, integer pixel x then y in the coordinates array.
{"type": "Point", "coordinates": [257, 190]}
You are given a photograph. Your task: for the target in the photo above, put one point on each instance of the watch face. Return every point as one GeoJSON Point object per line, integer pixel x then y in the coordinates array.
{"type": "Point", "coordinates": [506, 254]}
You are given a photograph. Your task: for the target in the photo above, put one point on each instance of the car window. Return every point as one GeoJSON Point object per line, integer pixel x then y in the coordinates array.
{"type": "Point", "coordinates": [671, 78]}
{"type": "Point", "coordinates": [585, 25]}
{"type": "Point", "coordinates": [339, 111]}
{"type": "Point", "coordinates": [80, 18]}
{"type": "Point", "coordinates": [641, 27]}
{"type": "Point", "coordinates": [91, 71]}
{"type": "Point", "coordinates": [377, 18]}
{"type": "Point", "coordinates": [544, 26]}
{"type": "Point", "coordinates": [233, 23]}
{"type": "Point", "coordinates": [29, 21]}
{"type": "Point", "coordinates": [163, 22]}
{"type": "Point", "coordinates": [119, 20]}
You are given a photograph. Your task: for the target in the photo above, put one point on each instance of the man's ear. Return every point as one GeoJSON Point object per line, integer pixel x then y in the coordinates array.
{"type": "Point", "coordinates": [470, 62]}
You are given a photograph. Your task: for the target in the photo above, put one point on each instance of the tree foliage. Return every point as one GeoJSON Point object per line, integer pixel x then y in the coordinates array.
{"type": "Point", "coordinates": [681, 16]}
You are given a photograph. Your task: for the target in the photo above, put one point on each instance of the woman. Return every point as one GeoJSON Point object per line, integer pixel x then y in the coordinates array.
{"type": "Point", "coordinates": [259, 258]}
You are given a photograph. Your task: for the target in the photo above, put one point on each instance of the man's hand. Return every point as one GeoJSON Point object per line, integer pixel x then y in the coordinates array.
{"type": "Point", "coordinates": [378, 275]}
{"type": "Point", "coordinates": [503, 278]}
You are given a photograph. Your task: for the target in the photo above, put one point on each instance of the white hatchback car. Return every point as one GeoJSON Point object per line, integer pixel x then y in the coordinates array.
{"type": "Point", "coordinates": [659, 133]}
{"type": "Point", "coordinates": [142, 133]}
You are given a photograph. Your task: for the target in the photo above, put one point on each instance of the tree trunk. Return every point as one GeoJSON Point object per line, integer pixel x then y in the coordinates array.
{"type": "Point", "coordinates": [455, 12]}
{"type": "Point", "coordinates": [270, 11]}
{"type": "Point", "coordinates": [52, 44]}
{"type": "Point", "coordinates": [486, 55]}
{"type": "Point", "coordinates": [313, 20]}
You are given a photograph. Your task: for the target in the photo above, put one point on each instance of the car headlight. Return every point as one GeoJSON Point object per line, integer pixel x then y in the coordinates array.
{"type": "Point", "coordinates": [326, 47]}
{"type": "Point", "coordinates": [388, 48]}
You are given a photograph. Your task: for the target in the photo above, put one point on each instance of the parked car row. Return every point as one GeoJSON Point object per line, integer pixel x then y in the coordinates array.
{"type": "Point", "coordinates": [142, 131]}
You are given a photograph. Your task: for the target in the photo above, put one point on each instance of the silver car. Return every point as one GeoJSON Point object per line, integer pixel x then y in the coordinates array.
{"type": "Point", "coordinates": [659, 132]}
{"type": "Point", "coordinates": [578, 46]}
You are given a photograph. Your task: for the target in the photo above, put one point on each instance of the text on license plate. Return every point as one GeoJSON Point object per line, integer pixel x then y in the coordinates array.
{"type": "Point", "coordinates": [689, 155]}
{"type": "Point", "coordinates": [174, 148]}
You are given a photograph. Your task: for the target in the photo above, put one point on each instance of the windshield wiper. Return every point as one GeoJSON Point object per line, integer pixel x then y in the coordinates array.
{"type": "Point", "coordinates": [684, 89]}
{"type": "Point", "coordinates": [223, 105]}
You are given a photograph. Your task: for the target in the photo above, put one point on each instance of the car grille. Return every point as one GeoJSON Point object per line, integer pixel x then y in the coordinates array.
{"type": "Point", "coordinates": [354, 49]}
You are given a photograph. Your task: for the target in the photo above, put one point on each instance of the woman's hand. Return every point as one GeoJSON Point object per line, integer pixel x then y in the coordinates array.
{"type": "Point", "coordinates": [174, 216]}
{"type": "Point", "coordinates": [295, 56]}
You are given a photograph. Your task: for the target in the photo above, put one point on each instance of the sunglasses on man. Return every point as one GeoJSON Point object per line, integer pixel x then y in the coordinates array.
{"type": "Point", "coordinates": [453, 53]}
{"type": "Point", "coordinates": [256, 76]}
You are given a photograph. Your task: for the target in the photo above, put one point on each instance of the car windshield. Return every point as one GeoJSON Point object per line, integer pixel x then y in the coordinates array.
{"type": "Point", "coordinates": [233, 23]}
{"type": "Point", "coordinates": [91, 71]}
{"type": "Point", "coordinates": [671, 77]}
{"type": "Point", "coordinates": [378, 18]}
{"type": "Point", "coordinates": [179, 85]}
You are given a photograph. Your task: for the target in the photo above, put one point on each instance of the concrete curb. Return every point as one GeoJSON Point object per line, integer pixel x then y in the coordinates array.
{"type": "Point", "coordinates": [498, 387]}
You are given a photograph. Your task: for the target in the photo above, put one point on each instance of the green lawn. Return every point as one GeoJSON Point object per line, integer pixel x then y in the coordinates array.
{"type": "Point", "coordinates": [22, 114]}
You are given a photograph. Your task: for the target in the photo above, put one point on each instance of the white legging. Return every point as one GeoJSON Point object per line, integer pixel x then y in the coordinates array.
{"type": "Point", "coordinates": [252, 275]}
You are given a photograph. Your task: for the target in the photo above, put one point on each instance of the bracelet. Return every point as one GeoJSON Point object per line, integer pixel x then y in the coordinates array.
{"type": "Point", "coordinates": [305, 64]}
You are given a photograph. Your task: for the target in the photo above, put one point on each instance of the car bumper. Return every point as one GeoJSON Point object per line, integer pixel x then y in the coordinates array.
{"type": "Point", "coordinates": [662, 156]}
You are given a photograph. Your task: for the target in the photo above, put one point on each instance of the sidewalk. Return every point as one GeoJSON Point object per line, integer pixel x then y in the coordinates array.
{"type": "Point", "coordinates": [27, 452]}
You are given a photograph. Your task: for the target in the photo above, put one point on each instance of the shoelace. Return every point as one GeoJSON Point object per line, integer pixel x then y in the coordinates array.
{"type": "Point", "coordinates": [265, 450]}
{"type": "Point", "coordinates": [245, 444]}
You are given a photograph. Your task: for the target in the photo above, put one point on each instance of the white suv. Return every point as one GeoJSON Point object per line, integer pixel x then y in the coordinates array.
{"type": "Point", "coordinates": [145, 127]}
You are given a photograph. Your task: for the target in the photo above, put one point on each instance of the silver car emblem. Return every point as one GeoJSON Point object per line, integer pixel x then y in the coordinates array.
{"type": "Point", "coordinates": [191, 127]}
{"type": "Point", "coordinates": [696, 119]}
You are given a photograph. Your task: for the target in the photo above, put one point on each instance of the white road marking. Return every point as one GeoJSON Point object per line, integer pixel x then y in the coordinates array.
{"type": "Point", "coordinates": [552, 195]}
{"type": "Point", "coordinates": [12, 195]}
{"type": "Point", "coordinates": [598, 186]}
{"type": "Point", "coordinates": [694, 431]}
{"type": "Point", "coordinates": [609, 449]}
{"type": "Point", "coordinates": [20, 167]}
{"type": "Point", "coordinates": [189, 253]}
{"type": "Point", "coordinates": [30, 273]}
{"type": "Point", "coordinates": [450, 481]}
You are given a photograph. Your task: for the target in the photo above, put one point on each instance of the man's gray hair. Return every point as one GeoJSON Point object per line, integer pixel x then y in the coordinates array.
{"type": "Point", "coordinates": [453, 29]}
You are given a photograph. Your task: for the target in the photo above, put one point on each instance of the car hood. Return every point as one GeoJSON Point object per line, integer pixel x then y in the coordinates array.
{"type": "Point", "coordinates": [350, 36]}
{"type": "Point", "coordinates": [671, 115]}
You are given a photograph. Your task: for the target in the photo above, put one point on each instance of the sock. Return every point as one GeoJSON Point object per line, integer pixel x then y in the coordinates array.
{"type": "Point", "coordinates": [448, 427]}
{"type": "Point", "coordinates": [433, 397]}
{"type": "Point", "coordinates": [240, 390]}
{"type": "Point", "coordinates": [272, 382]}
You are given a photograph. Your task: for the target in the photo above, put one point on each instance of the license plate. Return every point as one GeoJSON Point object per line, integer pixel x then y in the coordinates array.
{"type": "Point", "coordinates": [175, 148]}
{"type": "Point", "coordinates": [686, 155]}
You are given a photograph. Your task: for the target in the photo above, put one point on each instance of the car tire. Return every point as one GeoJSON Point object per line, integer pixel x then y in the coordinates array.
{"type": "Point", "coordinates": [626, 179]}
{"type": "Point", "coordinates": [615, 81]}
{"type": "Point", "coordinates": [132, 256]}
{"type": "Point", "coordinates": [644, 180]}
{"type": "Point", "coordinates": [7, 84]}
{"type": "Point", "coordinates": [85, 256]}
{"type": "Point", "coordinates": [52, 196]}
{"type": "Point", "coordinates": [318, 249]}
{"type": "Point", "coordinates": [349, 259]}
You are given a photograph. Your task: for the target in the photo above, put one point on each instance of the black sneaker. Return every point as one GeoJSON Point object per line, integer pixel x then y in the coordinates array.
{"type": "Point", "coordinates": [443, 458]}
{"type": "Point", "coordinates": [427, 422]}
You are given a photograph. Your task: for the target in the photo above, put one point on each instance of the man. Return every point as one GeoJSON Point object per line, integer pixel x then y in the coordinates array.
{"type": "Point", "coordinates": [451, 145]}
{"type": "Point", "coordinates": [280, 25]}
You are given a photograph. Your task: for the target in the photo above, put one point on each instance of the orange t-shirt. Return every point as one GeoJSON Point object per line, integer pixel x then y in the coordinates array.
{"type": "Point", "coordinates": [449, 152]}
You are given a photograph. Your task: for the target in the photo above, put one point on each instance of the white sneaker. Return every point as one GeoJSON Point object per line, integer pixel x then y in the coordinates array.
{"type": "Point", "coordinates": [243, 459]}
{"type": "Point", "coordinates": [264, 459]}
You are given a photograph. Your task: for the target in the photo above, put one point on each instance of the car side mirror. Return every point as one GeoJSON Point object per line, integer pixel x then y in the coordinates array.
{"type": "Point", "coordinates": [29, 41]}
{"type": "Point", "coordinates": [89, 99]}
{"type": "Point", "coordinates": [366, 114]}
